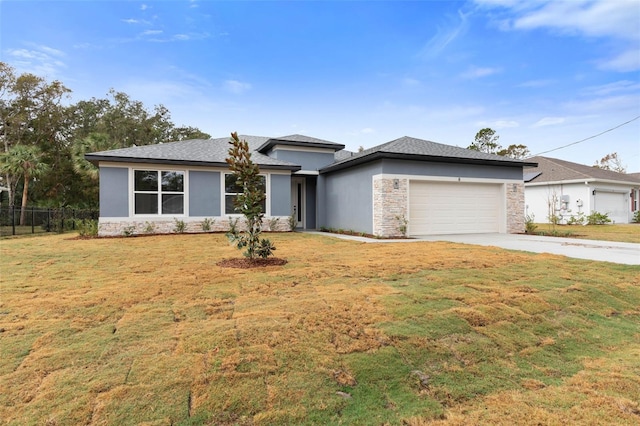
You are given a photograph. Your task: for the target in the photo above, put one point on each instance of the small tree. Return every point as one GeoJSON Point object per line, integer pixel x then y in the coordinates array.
{"type": "Point", "coordinates": [25, 161]}
{"type": "Point", "coordinates": [249, 201]}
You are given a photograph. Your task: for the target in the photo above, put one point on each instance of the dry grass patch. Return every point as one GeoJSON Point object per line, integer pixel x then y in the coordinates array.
{"type": "Point", "coordinates": [626, 233]}
{"type": "Point", "coordinates": [152, 331]}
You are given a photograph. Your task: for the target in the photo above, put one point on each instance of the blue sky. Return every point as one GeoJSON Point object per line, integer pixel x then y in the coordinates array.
{"type": "Point", "coordinates": [541, 73]}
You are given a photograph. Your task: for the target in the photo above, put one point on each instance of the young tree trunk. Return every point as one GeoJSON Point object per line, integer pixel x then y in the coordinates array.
{"type": "Point", "coordinates": [25, 190]}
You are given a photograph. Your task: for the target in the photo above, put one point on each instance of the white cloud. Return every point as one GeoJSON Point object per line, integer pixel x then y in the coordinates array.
{"type": "Point", "coordinates": [536, 83]}
{"type": "Point", "coordinates": [479, 72]}
{"type": "Point", "coordinates": [130, 21]}
{"type": "Point", "coordinates": [609, 19]}
{"type": "Point", "coordinates": [498, 124]}
{"type": "Point", "coordinates": [617, 18]}
{"type": "Point", "coordinates": [607, 89]}
{"type": "Point", "coordinates": [548, 121]}
{"type": "Point", "coordinates": [367, 131]}
{"type": "Point", "coordinates": [151, 32]}
{"type": "Point", "coordinates": [624, 62]}
{"type": "Point", "coordinates": [236, 87]}
{"type": "Point", "coordinates": [40, 60]}
{"type": "Point", "coordinates": [144, 7]}
{"type": "Point", "coordinates": [444, 36]}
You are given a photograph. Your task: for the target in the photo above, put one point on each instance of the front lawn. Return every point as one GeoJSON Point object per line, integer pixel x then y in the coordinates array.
{"type": "Point", "coordinates": [149, 330]}
{"type": "Point", "coordinates": [626, 233]}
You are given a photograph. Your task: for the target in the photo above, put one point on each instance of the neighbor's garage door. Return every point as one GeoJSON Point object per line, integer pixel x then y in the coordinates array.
{"type": "Point", "coordinates": [454, 208]}
{"type": "Point", "coordinates": [614, 204]}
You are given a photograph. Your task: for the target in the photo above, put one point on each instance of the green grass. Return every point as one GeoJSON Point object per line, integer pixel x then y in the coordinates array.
{"type": "Point", "coordinates": [626, 233]}
{"type": "Point", "coordinates": [151, 331]}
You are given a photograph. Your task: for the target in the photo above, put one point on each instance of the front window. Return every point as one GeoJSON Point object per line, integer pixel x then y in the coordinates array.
{"type": "Point", "coordinates": [232, 190]}
{"type": "Point", "coordinates": [158, 192]}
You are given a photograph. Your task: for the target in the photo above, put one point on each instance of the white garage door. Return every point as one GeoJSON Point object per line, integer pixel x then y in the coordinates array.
{"type": "Point", "coordinates": [614, 204]}
{"type": "Point", "coordinates": [454, 208]}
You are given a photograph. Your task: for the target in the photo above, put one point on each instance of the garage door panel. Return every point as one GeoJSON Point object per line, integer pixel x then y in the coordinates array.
{"type": "Point", "coordinates": [614, 204]}
{"type": "Point", "coordinates": [454, 207]}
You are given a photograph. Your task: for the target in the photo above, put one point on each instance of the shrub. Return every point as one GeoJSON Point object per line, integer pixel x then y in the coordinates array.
{"type": "Point", "coordinates": [636, 216]}
{"type": "Point", "coordinates": [149, 227]}
{"type": "Point", "coordinates": [292, 222]}
{"type": "Point", "coordinates": [180, 227]}
{"type": "Point", "coordinates": [206, 224]}
{"type": "Point", "coordinates": [579, 219]}
{"type": "Point", "coordinates": [529, 225]}
{"type": "Point", "coordinates": [596, 218]}
{"type": "Point", "coordinates": [87, 227]}
{"type": "Point", "coordinates": [273, 223]}
{"type": "Point", "coordinates": [402, 224]}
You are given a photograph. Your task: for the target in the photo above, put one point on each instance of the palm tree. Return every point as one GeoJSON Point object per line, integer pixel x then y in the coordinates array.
{"type": "Point", "coordinates": [25, 161]}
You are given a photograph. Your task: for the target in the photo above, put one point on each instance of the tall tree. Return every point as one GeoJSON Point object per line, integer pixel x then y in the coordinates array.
{"type": "Point", "coordinates": [515, 151]}
{"type": "Point", "coordinates": [31, 114]}
{"type": "Point", "coordinates": [611, 162]}
{"type": "Point", "coordinates": [25, 161]}
{"type": "Point", "coordinates": [486, 140]}
{"type": "Point", "coordinates": [249, 201]}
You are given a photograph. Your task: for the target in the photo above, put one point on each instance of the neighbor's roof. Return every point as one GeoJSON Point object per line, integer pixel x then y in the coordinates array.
{"type": "Point", "coordinates": [194, 152]}
{"type": "Point", "coordinates": [555, 170]}
{"type": "Point", "coordinates": [418, 149]}
{"type": "Point", "coordinates": [299, 140]}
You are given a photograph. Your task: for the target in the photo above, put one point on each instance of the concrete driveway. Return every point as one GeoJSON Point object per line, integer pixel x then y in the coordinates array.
{"type": "Point", "coordinates": [604, 251]}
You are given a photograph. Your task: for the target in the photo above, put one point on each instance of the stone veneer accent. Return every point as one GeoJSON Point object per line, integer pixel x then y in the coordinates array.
{"type": "Point", "coordinates": [168, 226]}
{"type": "Point", "coordinates": [389, 205]}
{"type": "Point", "coordinates": [515, 208]}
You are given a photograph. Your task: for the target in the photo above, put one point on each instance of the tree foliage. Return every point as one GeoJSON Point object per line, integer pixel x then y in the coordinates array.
{"type": "Point", "coordinates": [33, 114]}
{"type": "Point", "coordinates": [486, 140]}
{"type": "Point", "coordinates": [611, 162]}
{"type": "Point", "coordinates": [249, 202]}
{"type": "Point", "coordinates": [26, 162]}
{"type": "Point", "coordinates": [515, 151]}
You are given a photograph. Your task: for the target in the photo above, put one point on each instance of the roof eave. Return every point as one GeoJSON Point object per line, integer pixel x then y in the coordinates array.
{"type": "Point", "coordinates": [272, 142]}
{"type": "Point", "coordinates": [432, 158]}
{"type": "Point", "coordinates": [95, 159]}
{"type": "Point", "coordinates": [585, 181]}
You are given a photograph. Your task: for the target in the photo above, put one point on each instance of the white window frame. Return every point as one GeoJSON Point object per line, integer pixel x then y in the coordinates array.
{"type": "Point", "coordinates": [223, 191]}
{"type": "Point", "coordinates": [159, 192]}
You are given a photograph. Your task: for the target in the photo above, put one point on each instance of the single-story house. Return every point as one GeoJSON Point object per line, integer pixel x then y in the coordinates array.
{"type": "Point", "coordinates": [406, 186]}
{"type": "Point", "coordinates": [570, 190]}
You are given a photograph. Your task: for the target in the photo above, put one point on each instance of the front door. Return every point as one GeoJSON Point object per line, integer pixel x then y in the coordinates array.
{"type": "Point", "coordinates": [297, 200]}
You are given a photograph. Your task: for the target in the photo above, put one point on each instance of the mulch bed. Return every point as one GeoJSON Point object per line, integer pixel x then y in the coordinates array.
{"type": "Point", "coordinates": [245, 263]}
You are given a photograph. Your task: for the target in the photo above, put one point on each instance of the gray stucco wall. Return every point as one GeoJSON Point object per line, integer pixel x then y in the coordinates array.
{"type": "Point", "coordinates": [346, 198]}
{"type": "Point", "coordinates": [204, 193]}
{"type": "Point", "coordinates": [422, 168]}
{"type": "Point", "coordinates": [114, 192]}
{"type": "Point", "coordinates": [280, 195]}
{"type": "Point", "coordinates": [307, 160]}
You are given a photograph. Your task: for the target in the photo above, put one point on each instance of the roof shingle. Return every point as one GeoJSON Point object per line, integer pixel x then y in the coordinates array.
{"type": "Point", "coordinates": [555, 170]}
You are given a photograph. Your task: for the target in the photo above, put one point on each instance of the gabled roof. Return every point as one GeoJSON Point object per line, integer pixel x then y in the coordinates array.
{"type": "Point", "coordinates": [299, 140]}
{"type": "Point", "coordinates": [194, 152]}
{"type": "Point", "coordinates": [555, 170]}
{"type": "Point", "coordinates": [418, 149]}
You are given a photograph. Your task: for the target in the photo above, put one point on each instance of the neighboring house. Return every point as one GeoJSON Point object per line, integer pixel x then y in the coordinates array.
{"type": "Point", "coordinates": [408, 184]}
{"type": "Point", "coordinates": [570, 190]}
